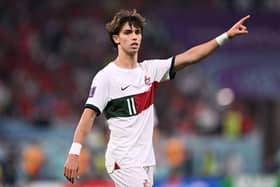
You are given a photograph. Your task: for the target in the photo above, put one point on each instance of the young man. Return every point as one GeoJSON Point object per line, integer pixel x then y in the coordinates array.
{"type": "Point", "coordinates": [124, 92]}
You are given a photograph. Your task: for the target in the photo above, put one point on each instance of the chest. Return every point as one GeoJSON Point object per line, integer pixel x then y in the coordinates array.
{"type": "Point", "coordinates": [123, 84]}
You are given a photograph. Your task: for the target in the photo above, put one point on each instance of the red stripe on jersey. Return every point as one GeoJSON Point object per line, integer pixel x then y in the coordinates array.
{"type": "Point", "coordinates": [116, 166]}
{"type": "Point", "coordinates": [146, 99]}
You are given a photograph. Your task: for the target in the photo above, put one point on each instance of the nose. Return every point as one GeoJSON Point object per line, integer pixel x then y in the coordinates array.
{"type": "Point", "coordinates": [135, 35]}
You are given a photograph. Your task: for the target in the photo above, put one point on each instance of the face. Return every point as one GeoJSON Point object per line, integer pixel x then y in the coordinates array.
{"type": "Point", "coordinates": [129, 39]}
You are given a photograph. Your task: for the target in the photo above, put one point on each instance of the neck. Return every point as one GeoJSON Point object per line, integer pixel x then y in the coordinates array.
{"type": "Point", "coordinates": [127, 61]}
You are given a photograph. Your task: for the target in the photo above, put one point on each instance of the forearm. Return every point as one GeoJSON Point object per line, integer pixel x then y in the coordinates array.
{"type": "Point", "coordinates": [201, 51]}
{"type": "Point", "coordinates": [71, 166]}
{"type": "Point", "coordinates": [84, 126]}
{"type": "Point", "coordinates": [195, 54]}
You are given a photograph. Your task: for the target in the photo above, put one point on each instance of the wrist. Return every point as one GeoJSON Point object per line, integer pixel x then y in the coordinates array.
{"type": "Point", "coordinates": [75, 148]}
{"type": "Point", "coordinates": [222, 39]}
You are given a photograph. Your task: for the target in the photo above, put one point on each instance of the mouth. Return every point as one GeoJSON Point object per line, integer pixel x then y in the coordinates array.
{"type": "Point", "coordinates": [134, 45]}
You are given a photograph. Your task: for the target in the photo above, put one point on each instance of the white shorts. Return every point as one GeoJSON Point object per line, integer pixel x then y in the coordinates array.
{"type": "Point", "coordinates": [133, 177]}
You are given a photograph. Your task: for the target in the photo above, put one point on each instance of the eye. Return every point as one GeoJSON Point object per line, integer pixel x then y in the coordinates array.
{"type": "Point", "coordinates": [126, 32]}
{"type": "Point", "coordinates": [138, 31]}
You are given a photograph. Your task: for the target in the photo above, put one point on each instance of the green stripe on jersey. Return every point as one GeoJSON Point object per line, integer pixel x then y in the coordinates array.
{"type": "Point", "coordinates": [121, 107]}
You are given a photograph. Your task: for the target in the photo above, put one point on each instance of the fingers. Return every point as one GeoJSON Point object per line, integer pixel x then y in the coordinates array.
{"type": "Point", "coordinates": [71, 168]}
{"type": "Point", "coordinates": [71, 174]}
{"type": "Point", "coordinates": [239, 28]}
{"type": "Point", "coordinates": [242, 29]}
{"type": "Point", "coordinates": [74, 173]}
{"type": "Point", "coordinates": [67, 174]}
{"type": "Point", "coordinates": [243, 32]}
{"type": "Point", "coordinates": [242, 20]}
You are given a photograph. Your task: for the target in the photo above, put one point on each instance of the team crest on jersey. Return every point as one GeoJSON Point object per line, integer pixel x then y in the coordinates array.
{"type": "Point", "coordinates": [91, 92]}
{"type": "Point", "coordinates": [148, 80]}
{"type": "Point", "coordinates": [146, 183]}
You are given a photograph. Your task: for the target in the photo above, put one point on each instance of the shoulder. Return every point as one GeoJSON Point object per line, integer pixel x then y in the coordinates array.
{"type": "Point", "coordinates": [155, 62]}
{"type": "Point", "coordinates": [104, 73]}
{"type": "Point", "coordinates": [146, 63]}
{"type": "Point", "coordinates": [150, 61]}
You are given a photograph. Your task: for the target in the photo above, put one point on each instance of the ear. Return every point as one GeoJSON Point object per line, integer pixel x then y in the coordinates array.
{"type": "Point", "coordinates": [116, 39]}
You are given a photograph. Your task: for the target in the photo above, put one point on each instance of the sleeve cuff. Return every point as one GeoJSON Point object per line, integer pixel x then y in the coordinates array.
{"type": "Point", "coordinates": [172, 73]}
{"type": "Point", "coordinates": [95, 108]}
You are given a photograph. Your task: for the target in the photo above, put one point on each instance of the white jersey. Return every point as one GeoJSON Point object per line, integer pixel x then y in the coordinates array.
{"type": "Point", "coordinates": [126, 97]}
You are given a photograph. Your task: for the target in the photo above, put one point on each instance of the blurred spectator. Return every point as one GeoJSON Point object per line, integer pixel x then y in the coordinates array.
{"type": "Point", "coordinates": [179, 159]}
{"type": "Point", "coordinates": [237, 121]}
{"type": "Point", "coordinates": [207, 119]}
{"type": "Point", "coordinates": [9, 166]}
{"type": "Point", "coordinates": [99, 166]}
{"type": "Point", "coordinates": [232, 124]}
{"type": "Point", "coordinates": [271, 164]}
{"type": "Point", "coordinates": [5, 97]}
{"type": "Point", "coordinates": [233, 164]}
{"type": "Point", "coordinates": [210, 165]}
{"type": "Point", "coordinates": [32, 161]}
{"type": "Point", "coordinates": [175, 153]}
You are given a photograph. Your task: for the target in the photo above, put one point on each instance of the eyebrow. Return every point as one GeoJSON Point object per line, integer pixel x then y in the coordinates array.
{"type": "Point", "coordinates": [137, 29]}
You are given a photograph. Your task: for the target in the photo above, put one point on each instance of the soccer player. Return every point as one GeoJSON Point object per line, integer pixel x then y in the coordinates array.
{"type": "Point", "coordinates": [124, 92]}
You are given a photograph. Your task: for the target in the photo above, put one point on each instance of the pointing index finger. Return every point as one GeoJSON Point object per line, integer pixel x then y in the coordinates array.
{"type": "Point", "coordinates": [244, 19]}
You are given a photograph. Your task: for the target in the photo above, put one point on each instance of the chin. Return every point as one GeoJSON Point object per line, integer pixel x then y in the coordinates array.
{"type": "Point", "coordinates": [133, 52]}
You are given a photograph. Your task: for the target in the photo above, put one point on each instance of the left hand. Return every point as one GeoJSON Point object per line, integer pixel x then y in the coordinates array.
{"type": "Point", "coordinates": [238, 28]}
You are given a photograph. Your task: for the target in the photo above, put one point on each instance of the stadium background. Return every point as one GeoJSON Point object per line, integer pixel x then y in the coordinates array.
{"type": "Point", "coordinates": [218, 121]}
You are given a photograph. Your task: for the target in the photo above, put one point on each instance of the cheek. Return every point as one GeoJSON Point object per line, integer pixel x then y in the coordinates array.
{"type": "Point", "coordinates": [123, 40]}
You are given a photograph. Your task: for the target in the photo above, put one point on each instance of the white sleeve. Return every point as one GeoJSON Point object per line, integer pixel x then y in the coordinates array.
{"type": "Point", "coordinates": [162, 69]}
{"type": "Point", "coordinates": [98, 94]}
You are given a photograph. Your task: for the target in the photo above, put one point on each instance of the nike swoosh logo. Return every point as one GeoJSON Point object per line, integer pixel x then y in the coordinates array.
{"type": "Point", "coordinates": [123, 88]}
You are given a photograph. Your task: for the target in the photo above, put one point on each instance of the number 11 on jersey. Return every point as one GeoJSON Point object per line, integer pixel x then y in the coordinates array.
{"type": "Point", "coordinates": [131, 106]}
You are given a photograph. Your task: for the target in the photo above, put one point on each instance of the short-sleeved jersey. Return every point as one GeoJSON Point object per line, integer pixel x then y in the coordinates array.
{"type": "Point", "coordinates": [126, 97]}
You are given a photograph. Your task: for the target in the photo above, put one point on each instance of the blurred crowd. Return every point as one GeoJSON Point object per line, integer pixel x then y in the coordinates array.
{"type": "Point", "coordinates": [49, 52]}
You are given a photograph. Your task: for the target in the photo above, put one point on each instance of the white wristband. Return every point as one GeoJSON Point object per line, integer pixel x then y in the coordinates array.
{"type": "Point", "coordinates": [223, 38]}
{"type": "Point", "coordinates": [75, 148]}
